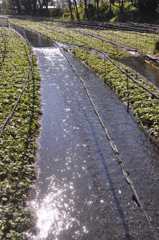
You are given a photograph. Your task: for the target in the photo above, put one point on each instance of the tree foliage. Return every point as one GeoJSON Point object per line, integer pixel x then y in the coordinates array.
{"type": "Point", "coordinates": [28, 5]}
{"type": "Point", "coordinates": [90, 6]}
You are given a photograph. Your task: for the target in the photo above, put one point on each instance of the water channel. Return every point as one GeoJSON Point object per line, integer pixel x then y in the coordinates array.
{"type": "Point", "coordinates": [138, 64]}
{"type": "Point", "coordinates": [81, 193]}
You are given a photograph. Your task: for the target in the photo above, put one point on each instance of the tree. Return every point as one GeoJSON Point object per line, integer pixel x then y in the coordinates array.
{"type": "Point", "coordinates": [40, 4]}
{"type": "Point", "coordinates": [17, 4]}
{"type": "Point", "coordinates": [86, 10]}
{"type": "Point", "coordinates": [77, 14]}
{"type": "Point", "coordinates": [97, 7]}
{"type": "Point", "coordinates": [27, 5]}
{"type": "Point", "coordinates": [110, 6]}
{"type": "Point", "coordinates": [34, 3]}
{"type": "Point", "coordinates": [122, 5]}
{"type": "Point", "coordinates": [70, 8]}
{"type": "Point", "coordinates": [45, 3]}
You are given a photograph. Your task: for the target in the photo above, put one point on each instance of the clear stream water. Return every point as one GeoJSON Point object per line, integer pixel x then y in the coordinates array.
{"type": "Point", "coordinates": [81, 193]}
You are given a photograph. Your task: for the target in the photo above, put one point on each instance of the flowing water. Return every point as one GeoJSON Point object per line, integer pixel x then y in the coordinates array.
{"type": "Point", "coordinates": [138, 64]}
{"type": "Point", "coordinates": [81, 193]}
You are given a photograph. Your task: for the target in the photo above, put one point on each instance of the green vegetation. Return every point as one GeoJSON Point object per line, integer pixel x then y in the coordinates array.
{"type": "Point", "coordinates": [18, 142]}
{"type": "Point", "coordinates": [145, 43]}
{"type": "Point", "coordinates": [68, 36]}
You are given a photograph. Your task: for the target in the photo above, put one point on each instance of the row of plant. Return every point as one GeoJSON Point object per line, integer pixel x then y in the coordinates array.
{"type": "Point", "coordinates": [2, 49]}
{"type": "Point", "coordinates": [145, 107]}
{"type": "Point", "coordinates": [143, 42]}
{"type": "Point", "coordinates": [18, 142]}
{"type": "Point", "coordinates": [68, 36]}
{"type": "Point", "coordinates": [1, 35]}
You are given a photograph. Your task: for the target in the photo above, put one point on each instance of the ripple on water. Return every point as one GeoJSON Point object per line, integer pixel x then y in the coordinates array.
{"type": "Point", "coordinates": [54, 210]}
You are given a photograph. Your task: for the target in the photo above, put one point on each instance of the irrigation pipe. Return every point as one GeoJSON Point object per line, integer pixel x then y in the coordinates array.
{"type": "Point", "coordinates": [20, 95]}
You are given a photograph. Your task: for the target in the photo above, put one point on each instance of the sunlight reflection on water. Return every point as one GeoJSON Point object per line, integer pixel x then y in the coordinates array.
{"type": "Point", "coordinates": [52, 211]}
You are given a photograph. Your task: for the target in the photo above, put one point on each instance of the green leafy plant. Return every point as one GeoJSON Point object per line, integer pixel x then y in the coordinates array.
{"type": "Point", "coordinates": [18, 142]}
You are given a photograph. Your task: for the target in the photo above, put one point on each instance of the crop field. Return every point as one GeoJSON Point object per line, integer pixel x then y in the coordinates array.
{"type": "Point", "coordinates": [144, 105]}
{"type": "Point", "coordinates": [70, 37]}
{"type": "Point", "coordinates": [19, 121]}
{"type": "Point", "coordinates": [20, 104]}
{"type": "Point", "coordinates": [145, 43]}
